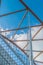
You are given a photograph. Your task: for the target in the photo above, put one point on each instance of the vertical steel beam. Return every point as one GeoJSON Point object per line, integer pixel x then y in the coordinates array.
{"type": "Point", "coordinates": [30, 43]}
{"type": "Point", "coordinates": [31, 55]}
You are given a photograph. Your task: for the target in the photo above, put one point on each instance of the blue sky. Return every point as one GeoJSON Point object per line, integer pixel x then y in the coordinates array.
{"type": "Point", "coordinates": [12, 21]}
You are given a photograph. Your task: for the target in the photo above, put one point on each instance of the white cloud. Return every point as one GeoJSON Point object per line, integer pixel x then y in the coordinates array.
{"type": "Point", "coordinates": [21, 37]}
{"type": "Point", "coordinates": [4, 33]}
{"type": "Point", "coordinates": [37, 45]}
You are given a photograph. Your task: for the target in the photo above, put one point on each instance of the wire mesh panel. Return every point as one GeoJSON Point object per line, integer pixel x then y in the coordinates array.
{"type": "Point", "coordinates": [18, 57]}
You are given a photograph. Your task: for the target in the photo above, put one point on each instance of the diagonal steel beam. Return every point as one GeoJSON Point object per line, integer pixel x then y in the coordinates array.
{"type": "Point", "coordinates": [37, 55]}
{"type": "Point", "coordinates": [21, 21]}
{"type": "Point", "coordinates": [12, 43]}
{"type": "Point", "coordinates": [34, 35]}
{"type": "Point", "coordinates": [27, 7]}
{"type": "Point", "coordinates": [17, 11]}
{"type": "Point", "coordinates": [37, 32]}
{"type": "Point", "coordinates": [4, 39]}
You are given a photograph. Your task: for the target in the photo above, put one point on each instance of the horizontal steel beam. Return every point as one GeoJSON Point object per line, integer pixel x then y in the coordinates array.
{"type": "Point", "coordinates": [20, 28]}
{"type": "Point", "coordinates": [34, 50]}
{"type": "Point", "coordinates": [38, 61]}
{"type": "Point", "coordinates": [4, 37]}
{"type": "Point", "coordinates": [28, 40]}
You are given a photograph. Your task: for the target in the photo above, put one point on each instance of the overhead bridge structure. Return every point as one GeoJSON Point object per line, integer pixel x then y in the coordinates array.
{"type": "Point", "coordinates": [15, 50]}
